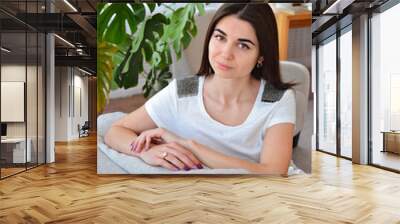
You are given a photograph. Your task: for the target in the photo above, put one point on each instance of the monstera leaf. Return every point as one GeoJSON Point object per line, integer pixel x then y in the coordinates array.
{"type": "Point", "coordinates": [159, 79]}
{"type": "Point", "coordinates": [144, 38]}
{"type": "Point", "coordinates": [104, 72]}
{"type": "Point", "coordinates": [117, 21]}
{"type": "Point", "coordinates": [127, 73]}
{"type": "Point", "coordinates": [182, 28]}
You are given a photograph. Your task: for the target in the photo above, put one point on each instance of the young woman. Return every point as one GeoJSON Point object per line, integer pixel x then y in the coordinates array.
{"type": "Point", "coordinates": [235, 113]}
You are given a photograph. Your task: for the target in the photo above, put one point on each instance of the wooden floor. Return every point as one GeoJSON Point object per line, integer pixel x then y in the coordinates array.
{"type": "Point", "coordinates": [70, 191]}
{"type": "Point", "coordinates": [10, 171]}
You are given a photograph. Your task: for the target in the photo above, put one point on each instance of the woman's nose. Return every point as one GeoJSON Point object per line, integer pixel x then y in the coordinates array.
{"type": "Point", "coordinates": [227, 51]}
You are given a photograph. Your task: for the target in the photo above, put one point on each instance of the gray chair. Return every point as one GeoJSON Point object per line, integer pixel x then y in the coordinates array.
{"type": "Point", "coordinates": [297, 73]}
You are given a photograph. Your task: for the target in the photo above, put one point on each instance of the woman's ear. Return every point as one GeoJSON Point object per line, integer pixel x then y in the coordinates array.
{"type": "Point", "coordinates": [260, 62]}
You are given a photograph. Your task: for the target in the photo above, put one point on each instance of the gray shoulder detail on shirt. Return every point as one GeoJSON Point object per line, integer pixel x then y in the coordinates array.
{"type": "Point", "coordinates": [188, 86]}
{"type": "Point", "coordinates": [271, 94]}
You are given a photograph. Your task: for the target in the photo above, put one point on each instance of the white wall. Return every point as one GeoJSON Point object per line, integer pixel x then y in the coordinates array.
{"type": "Point", "coordinates": [80, 88]}
{"type": "Point", "coordinates": [70, 83]}
{"type": "Point", "coordinates": [61, 103]}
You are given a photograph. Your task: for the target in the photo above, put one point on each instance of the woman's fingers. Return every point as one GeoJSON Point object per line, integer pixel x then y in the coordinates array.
{"type": "Point", "coordinates": [135, 143]}
{"type": "Point", "coordinates": [145, 142]}
{"type": "Point", "coordinates": [148, 141]}
{"type": "Point", "coordinates": [138, 144]}
{"type": "Point", "coordinates": [168, 157]}
{"type": "Point", "coordinates": [156, 136]}
{"type": "Point", "coordinates": [178, 156]}
{"type": "Point", "coordinates": [157, 141]}
{"type": "Point", "coordinates": [183, 158]}
{"type": "Point", "coordinates": [187, 152]}
{"type": "Point", "coordinates": [175, 161]}
{"type": "Point", "coordinates": [167, 165]}
{"type": "Point", "coordinates": [145, 138]}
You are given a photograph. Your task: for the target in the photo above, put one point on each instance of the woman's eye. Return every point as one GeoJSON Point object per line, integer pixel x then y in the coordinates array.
{"type": "Point", "coordinates": [218, 37]}
{"type": "Point", "coordinates": [243, 46]}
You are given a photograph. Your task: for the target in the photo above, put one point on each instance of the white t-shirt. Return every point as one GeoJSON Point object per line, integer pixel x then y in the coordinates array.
{"type": "Point", "coordinates": [188, 118]}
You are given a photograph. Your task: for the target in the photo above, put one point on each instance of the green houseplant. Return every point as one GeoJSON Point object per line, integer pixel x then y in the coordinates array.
{"type": "Point", "coordinates": [130, 35]}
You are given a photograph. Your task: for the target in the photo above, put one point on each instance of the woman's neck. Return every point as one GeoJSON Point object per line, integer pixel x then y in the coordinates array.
{"type": "Point", "coordinates": [228, 91]}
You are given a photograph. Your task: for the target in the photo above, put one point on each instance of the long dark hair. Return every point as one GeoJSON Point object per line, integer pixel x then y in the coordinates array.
{"type": "Point", "coordinates": [262, 18]}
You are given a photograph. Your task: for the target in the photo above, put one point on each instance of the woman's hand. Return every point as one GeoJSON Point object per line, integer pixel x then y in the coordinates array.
{"type": "Point", "coordinates": [155, 136]}
{"type": "Point", "coordinates": [171, 156]}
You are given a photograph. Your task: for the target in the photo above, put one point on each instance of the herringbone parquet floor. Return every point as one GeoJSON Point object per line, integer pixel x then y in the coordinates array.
{"type": "Point", "coordinates": [70, 191]}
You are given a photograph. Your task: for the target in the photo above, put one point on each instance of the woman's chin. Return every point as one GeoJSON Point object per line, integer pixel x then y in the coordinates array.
{"type": "Point", "coordinates": [224, 73]}
{"type": "Point", "coordinates": [228, 75]}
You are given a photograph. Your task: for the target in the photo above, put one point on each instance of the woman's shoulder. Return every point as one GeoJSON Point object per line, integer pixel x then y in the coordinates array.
{"type": "Point", "coordinates": [272, 94]}
{"type": "Point", "coordinates": [188, 86]}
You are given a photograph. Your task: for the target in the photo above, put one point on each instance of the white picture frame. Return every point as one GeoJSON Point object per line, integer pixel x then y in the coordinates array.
{"type": "Point", "coordinates": [12, 101]}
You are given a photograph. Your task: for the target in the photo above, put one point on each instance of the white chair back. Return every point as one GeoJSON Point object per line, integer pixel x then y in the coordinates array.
{"type": "Point", "coordinates": [297, 73]}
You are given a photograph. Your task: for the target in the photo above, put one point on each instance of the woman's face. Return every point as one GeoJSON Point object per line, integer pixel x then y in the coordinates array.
{"type": "Point", "coordinates": [233, 49]}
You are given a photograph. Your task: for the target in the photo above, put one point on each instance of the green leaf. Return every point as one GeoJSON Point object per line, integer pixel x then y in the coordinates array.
{"type": "Point", "coordinates": [131, 77]}
{"type": "Point", "coordinates": [164, 59]}
{"type": "Point", "coordinates": [165, 74]}
{"type": "Point", "coordinates": [169, 57]}
{"type": "Point", "coordinates": [156, 59]}
{"type": "Point", "coordinates": [140, 11]}
{"type": "Point", "coordinates": [113, 19]}
{"type": "Point", "coordinates": [178, 21]}
{"type": "Point", "coordinates": [186, 39]}
{"type": "Point", "coordinates": [114, 85]}
{"type": "Point", "coordinates": [152, 84]}
{"type": "Point", "coordinates": [177, 48]}
{"type": "Point", "coordinates": [147, 51]}
{"type": "Point", "coordinates": [102, 22]}
{"type": "Point", "coordinates": [193, 29]}
{"type": "Point", "coordinates": [111, 31]}
{"type": "Point", "coordinates": [155, 25]}
{"type": "Point", "coordinates": [104, 72]}
{"type": "Point", "coordinates": [138, 37]}
{"type": "Point", "coordinates": [200, 8]}
{"type": "Point", "coordinates": [120, 68]}
{"type": "Point", "coordinates": [100, 7]}
{"type": "Point", "coordinates": [152, 40]}
{"type": "Point", "coordinates": [151, 6]}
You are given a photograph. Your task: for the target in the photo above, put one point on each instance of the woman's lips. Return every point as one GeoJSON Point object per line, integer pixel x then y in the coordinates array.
{"type": "Point", "coordinates": [223, 66]}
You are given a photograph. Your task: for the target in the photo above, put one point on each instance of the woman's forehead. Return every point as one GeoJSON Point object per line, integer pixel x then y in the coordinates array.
{"type": "Point", "coordinates": [236, 27]}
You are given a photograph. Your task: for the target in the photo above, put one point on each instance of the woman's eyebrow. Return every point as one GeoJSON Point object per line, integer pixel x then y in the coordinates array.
{"type": "Point", "coordinates": [219, 30]}
{"type": "Point", "coordinates": [240, 39]}
{"type": "Point", "coordinates": [246, 40]}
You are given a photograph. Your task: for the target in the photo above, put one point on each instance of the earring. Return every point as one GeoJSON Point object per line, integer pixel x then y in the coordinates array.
{"type": "Point", "coordinates": [259, 65]}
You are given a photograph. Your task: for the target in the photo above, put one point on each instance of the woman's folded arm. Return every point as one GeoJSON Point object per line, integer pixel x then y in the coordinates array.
{"type": "Point", "coordinates": [275, 156]}
{"type": "Point", "coordinates": [124, 131]}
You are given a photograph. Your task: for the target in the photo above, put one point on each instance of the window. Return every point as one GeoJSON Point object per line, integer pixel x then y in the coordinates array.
{"type": "Point", "coordinates": [22, 67]}
{"type": "Point", "coordinates": [385, 89]}
{"type": "Point", "coordinates": [346, 93]}
{"type": "Point", "coordinates": [326, 94]}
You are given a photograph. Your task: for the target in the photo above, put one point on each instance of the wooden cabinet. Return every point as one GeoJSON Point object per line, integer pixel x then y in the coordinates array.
{"type": "Point", "coordinates": [286, 21]}
{"type": "Point", "coordinates": [391, 141]}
